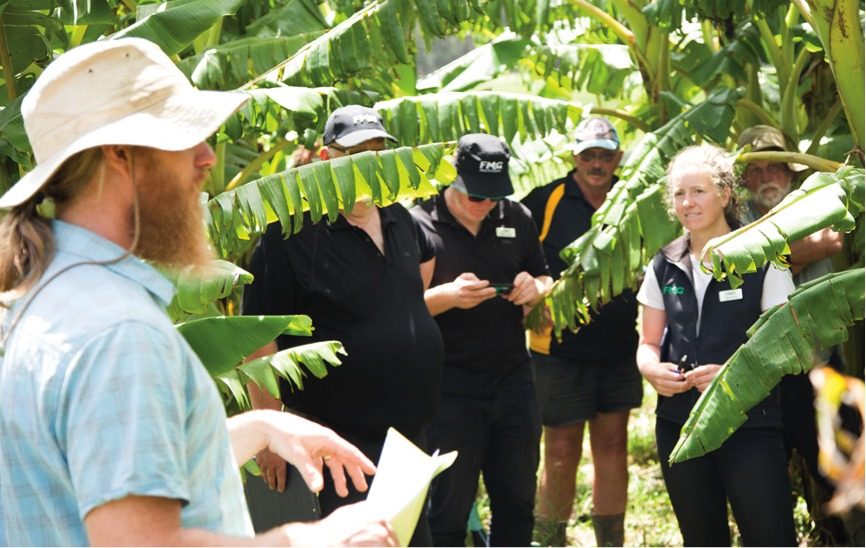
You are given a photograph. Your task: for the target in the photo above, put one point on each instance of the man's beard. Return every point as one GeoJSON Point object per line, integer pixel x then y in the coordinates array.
{"type": "Point", "coordinates": [770, 200]}
{"type": "Point", "coordinates": [171, 231]}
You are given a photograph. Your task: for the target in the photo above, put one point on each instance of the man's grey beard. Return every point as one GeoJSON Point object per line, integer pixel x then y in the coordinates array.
{"type": "Point", "coordinates": [768, 202]}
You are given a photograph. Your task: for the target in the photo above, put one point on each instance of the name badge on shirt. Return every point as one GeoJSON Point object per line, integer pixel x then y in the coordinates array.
{"type": "Point", "coordinates": [506, 232]}
{"type": "Point", "coordinates": [730, 295]}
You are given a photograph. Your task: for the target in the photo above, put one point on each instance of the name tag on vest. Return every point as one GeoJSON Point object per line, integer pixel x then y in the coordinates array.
{"type": "Point", "coordinates": [730, 295]}
{"type": "Point", "coordinates": [506, 232]}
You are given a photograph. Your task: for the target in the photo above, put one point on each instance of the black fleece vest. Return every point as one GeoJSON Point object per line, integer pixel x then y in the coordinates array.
{"type": "Point", "coordinates": [725, 317]}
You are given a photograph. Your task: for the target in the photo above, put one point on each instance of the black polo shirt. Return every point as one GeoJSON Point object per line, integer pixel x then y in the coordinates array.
{"type": "Point", "coordinates": [484, 344]}
{"type": "Point", "coordinates": [372, 303]}
{"type": "Point", "coordinates": [611, 334]}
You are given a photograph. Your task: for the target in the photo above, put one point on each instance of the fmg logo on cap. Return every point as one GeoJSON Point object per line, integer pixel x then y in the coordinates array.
{"type": "Point", "coordinates": [488, 166]}
{"type": "Point", "coordinates": [673, 289]}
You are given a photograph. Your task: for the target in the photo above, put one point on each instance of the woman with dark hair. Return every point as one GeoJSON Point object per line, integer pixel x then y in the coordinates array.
{"type": "Point", "coordinates": [689, 325]}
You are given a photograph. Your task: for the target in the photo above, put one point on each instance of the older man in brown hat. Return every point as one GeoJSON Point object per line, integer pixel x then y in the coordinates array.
{"type": "Point", "coordinates": [113, 432]}
{"type": "Point", "coordinates": [768, 184]}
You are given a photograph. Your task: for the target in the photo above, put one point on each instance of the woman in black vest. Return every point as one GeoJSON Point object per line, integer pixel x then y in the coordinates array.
{"type": "Point", "coordinates": [689, 325]}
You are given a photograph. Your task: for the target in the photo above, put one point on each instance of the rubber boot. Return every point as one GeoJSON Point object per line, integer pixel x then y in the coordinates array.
{"type": "Point", "coordinates": [549, 533]}
{"type": "Point", "coordinates": [609, 530]}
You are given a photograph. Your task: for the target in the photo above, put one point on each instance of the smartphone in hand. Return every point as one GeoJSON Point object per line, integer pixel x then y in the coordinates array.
{"type": "Point", "coordinates": [502, 289]}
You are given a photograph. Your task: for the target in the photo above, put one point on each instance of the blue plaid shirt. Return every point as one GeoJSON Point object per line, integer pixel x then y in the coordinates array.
{"type": "Point", "coordinates": [100, 398]}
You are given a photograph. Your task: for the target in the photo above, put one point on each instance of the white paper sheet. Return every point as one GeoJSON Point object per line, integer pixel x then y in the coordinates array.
{"type": "Point", "coordinates": [403, 476]}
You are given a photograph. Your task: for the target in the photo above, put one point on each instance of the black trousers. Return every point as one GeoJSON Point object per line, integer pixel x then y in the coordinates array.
{"type": "Point", "coordinates": [372, 447]}
{"type": "Point", "coordinates": [749, 470]}
{"type": "Point", "coordinates": [495, 436]}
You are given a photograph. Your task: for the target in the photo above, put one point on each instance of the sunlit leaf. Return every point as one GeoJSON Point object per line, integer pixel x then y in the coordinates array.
{"type": "Point", "coordinates": [816, 316]}
{"type": "Point", "coordinates": [222, 342]}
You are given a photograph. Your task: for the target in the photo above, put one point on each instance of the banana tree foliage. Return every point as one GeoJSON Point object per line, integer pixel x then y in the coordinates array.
{"type": "Point", "coordinates": [533, 126]}
{"type": "Point", "coordinates": [824, 199]}
{"type": "Point", "coordinates": [222, 342]}
{"type": "Point", "coordinates": [324, 189]}
{"type": "Point", "coordinates": [633, 222]}
{"type": "Point", "coordinates": [196, 289]}
{"type": "Point", "coordinates": [816, 316]}
{"type": "Point", "coordinates": [655, 65]}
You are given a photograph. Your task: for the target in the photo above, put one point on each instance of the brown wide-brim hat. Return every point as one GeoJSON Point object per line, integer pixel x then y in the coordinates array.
{"type": "Point", "coordinates": [113, 92]}
{"type": "Point", "coordinates": [767, 138]}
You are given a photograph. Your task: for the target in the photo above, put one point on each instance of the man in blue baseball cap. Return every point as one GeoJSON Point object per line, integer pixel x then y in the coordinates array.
{"type": "Point", "coordinates": [589, 377]}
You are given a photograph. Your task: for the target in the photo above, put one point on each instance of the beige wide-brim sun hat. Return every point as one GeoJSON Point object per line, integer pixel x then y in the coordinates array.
{"type": "Point", "coordinates": [113, 92]}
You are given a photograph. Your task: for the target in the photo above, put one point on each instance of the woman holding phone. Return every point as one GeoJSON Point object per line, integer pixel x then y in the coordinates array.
{"type": "Point", "coordinates": [689, 325]}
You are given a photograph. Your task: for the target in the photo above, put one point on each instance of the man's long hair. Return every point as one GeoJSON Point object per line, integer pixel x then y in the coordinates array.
{"type": "Point", "coordinates": [26, 240]}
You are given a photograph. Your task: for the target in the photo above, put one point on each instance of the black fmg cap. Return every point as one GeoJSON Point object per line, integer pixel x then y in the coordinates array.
{"type": "Point", "coordinates": [352, 125]}
{"type": "Point", "coordinates": [482, 166]}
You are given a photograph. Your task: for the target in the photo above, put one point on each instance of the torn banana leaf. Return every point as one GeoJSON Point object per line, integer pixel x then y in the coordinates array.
{"type": "Point", "coordinates": [288, 364]}
{"type": "Point", "coordinates": [816, 316]}
{"type": "Point", "coordinates": [823, 200]}
{"type": "Point", "coordinates": [198, 288]}
{"type": "Point", "coordinates": [324, 189]}
{"type": "Point", "coordinates": [222, 342]}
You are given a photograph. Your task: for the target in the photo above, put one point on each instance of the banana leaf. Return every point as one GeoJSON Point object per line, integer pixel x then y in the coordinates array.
{"type": "Point", "coordinates": [286, 364]}
{"type": "Point", "coordinates": [233, 64]}
{"type": "Point", "coordinates": [373, 39]}
{"type": "Point", "coordinates": [534, 127]}
{"type": "Point", "coordinates": [816, 316]}
{"type": "Point", "coordinates": [632, 223]}
{"type": "Point", "coordinates": [480, 65]}
{"type": "Point", "coordinates": [174, 26]}
{"type": "Point", "coordinates": [447, 116]}
{"type": "Point", "coordinates": [823, 200]}
{"type": "Point", "coordinates": [324, 189]}
{"type": "Point", "coordinates": [222, 342]}
{"type": "Point", "coordinates": [196, 289]}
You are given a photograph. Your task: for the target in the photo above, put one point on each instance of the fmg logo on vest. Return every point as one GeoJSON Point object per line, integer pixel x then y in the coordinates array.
{"type": "Point", "coordinates": [673, 289]}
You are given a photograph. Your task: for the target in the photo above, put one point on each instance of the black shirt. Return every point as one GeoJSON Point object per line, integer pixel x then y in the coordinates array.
{"type": "Point", "coordinates": [373, 304]}
{"type": "Point", "coordinates": [486, 343]}
{"type": "Point", "coordinates": [611, 334]}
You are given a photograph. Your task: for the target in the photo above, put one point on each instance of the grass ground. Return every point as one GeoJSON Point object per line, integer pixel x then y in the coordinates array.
{"type": "Point", "coordinates": [650, 521]}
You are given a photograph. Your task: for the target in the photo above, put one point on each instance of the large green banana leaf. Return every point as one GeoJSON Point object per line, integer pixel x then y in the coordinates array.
{"type": "Point", "coordinates": [816, 316]}
{"type": "Point", "coordinates": [290, 18]}
{"type": "Point", "coordinates": [222, 342]}
{"type": "Point", "coordinates": [480, 65]}
{"type": "Point", "coordinates": [324, 188]}
{"type": "Point", "coordinates": [633, 222]}
{"type": "Point", "coordinates": [824, 199]}
{"type": "Point", "coordinates": [233, 64]}
{"type": "Point", "coordinates": [197, 289]}
{"type": "Point", "coordinates": [315, 357]}
{"type": "Point", "coordinates": [373, 39]}
{"type": "Point", "coordinates": [447, 116]}
{"type": "Point", "coordinates": [535, 127]}
{"type": "Point", "coordinates": [698, 62]}
{"type": "Point", "coordinates": [174, 25]}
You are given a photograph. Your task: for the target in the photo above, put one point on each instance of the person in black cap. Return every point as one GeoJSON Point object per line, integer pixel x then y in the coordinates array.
{"type": "Point", "coordinates": [588, 377]}
{"type": "Point", "coordinates": [489, 270]}
{"type": "Point", "coordinates": [361, 279]}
